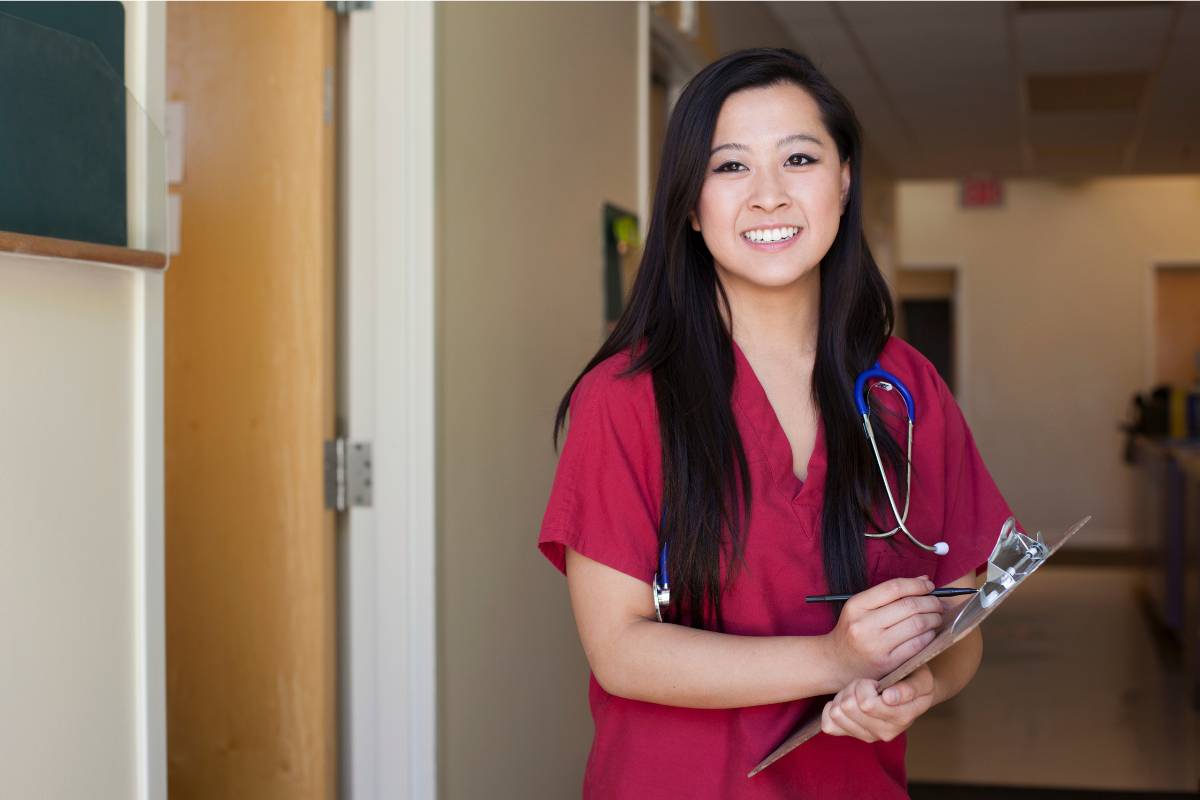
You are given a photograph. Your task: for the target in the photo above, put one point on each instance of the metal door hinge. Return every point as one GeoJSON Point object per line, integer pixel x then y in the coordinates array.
{"type": "Point", "coordinates": [344, 7]}
{"type": "Point", "coordinates": [347, 474]}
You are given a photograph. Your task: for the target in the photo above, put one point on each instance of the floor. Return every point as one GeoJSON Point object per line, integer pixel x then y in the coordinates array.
{"type": "Point", "coordinates": [1075, 691]}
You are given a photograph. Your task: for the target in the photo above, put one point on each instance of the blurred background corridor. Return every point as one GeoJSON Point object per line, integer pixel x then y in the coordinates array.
{"type": "Point", "coordinates": [295, 446]}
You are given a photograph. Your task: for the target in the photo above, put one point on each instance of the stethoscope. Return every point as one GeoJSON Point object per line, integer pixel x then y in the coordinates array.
{"type": "Point", "coordinates": [883, 380]}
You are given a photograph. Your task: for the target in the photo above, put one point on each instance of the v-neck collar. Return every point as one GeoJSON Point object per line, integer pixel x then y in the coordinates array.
{"type": "Point", "coordinates": [751, 399]}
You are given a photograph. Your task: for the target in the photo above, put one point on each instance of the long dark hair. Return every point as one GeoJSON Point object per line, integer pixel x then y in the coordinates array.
{"type": "Point", "coordinates": [673, 309]}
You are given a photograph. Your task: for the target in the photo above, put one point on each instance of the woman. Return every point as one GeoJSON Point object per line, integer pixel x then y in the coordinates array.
{"type": "Point", "coordinates": [719, 419]}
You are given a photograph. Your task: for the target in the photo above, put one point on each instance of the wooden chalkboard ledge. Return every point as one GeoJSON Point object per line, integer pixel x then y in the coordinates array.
{"type": "Point", "coordinates": [28, 245]}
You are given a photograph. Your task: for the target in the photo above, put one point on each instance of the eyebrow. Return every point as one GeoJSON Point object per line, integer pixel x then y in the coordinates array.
{"type": "Point", "coordinates": [795, 137]}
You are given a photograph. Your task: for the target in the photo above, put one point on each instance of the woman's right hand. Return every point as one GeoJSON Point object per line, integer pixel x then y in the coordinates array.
{"type": "Point", "coordinates": [881, 628]}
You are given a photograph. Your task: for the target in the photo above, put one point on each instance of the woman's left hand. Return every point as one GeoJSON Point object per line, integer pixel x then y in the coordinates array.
{"type": "Point", "coordinates": [860, 711]}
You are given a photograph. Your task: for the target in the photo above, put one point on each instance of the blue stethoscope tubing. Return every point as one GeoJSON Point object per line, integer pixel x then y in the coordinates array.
{"type": "Point", "coordinates": [888, 382]}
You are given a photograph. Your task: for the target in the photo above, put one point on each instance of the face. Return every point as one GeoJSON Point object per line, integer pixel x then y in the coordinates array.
{"type": "Point", "coordinates": [773, 166]}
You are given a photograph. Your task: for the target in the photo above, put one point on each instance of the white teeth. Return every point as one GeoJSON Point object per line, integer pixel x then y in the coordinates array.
{"type": "Point", "coordinates": [771, 234]}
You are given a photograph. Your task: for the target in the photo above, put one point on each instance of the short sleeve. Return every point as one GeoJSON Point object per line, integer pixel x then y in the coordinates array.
{"type": "Point", "coordinates": [606, 492]}
{"type": "Point", "coordinates": [974, 508]}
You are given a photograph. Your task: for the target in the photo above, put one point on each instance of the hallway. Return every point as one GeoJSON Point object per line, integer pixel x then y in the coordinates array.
{"type": "Point", "coordinates": [1074, 691]}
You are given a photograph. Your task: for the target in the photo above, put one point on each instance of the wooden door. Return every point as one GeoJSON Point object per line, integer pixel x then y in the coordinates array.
{"type": "Point", "coordinates": [250, 591]}
{"type": "Point", "coordinates": [1177, 325]}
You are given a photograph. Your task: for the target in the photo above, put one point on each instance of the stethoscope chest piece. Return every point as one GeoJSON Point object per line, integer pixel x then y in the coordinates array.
{"type": "Point", "coordinates": [662, 586]}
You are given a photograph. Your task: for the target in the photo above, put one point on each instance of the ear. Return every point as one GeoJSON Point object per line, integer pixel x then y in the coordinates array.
{"type": "Point", "coordinates": [845, 183]}
{"type": "Point", "coordinates": [694, 220]}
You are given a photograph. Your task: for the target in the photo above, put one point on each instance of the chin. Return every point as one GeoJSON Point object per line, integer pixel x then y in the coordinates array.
{"type": "Point", "coordinates": [773, 279]}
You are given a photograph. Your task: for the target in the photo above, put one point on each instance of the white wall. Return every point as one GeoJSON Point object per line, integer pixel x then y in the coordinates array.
{"type": "Point", "coordinates": [1056, 288]}
{"type": "Point", "coordinates": [68, 575]}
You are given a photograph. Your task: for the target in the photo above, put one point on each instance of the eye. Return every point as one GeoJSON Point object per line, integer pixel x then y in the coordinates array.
{"type": "Point", "coordinates": [726, 166]}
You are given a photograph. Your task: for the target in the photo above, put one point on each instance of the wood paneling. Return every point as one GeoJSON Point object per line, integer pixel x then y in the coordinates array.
{"type": "Point", "coordinates": [249, 398]}
{"type": "Point", "coordinates": [29, 245]}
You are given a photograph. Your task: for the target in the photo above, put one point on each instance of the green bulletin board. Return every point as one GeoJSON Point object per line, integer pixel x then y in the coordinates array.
{"type": "Point", "coordinates": [63, 120]}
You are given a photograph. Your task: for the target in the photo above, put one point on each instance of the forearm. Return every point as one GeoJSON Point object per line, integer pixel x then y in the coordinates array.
{"type": "Point", "coordinates": [953, 669]}
{"type": "Point", "coordinates": [681, 666]}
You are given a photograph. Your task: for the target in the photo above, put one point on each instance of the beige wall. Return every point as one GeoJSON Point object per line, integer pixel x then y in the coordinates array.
{"type": "Point", "coordinates": [537, 129]}
{"type": "Point", "coordinates": [70, 684]}
{"type": "Point", "coordinates": [737, 25]}
{"type": "Point", "coordinates": [1056, 289]}
{"type": "Point", "coordinates": [879, 211]}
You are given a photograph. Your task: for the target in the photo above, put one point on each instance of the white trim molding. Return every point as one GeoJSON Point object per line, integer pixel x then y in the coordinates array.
{"type": "Point", "coordinates": [146, 73]}
{"type": "Point", "coordinates": [386, 396]}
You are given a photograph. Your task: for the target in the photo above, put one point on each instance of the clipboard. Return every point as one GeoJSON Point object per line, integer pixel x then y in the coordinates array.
{"type": "Point", "coordinates": [1015, 557]}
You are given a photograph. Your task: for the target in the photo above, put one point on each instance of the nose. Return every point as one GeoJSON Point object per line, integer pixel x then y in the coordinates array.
{"type": "Point", "coordinates": [768, 192]}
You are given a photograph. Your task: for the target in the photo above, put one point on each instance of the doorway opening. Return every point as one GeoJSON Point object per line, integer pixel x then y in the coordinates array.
{"type": "Point", "coordinates": [928, 316]}
{"type": "Point", "coordinates": [1176, 325]}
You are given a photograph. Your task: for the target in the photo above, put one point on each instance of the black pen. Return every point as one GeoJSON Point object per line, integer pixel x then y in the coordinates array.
{"type": "Point", "coordinates": [831, 598]}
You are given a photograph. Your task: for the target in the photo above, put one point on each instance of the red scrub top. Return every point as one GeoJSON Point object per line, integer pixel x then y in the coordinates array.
{"type": "Point", "coordinates": [605, 503]}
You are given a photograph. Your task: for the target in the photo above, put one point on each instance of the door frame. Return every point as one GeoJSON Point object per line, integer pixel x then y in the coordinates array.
{"type": "Point", "coordinates": [962, 394]}
{"type": "Point", "coordinates": [146, 76]}
{"type": "Point", "coordinates": [386, 395]}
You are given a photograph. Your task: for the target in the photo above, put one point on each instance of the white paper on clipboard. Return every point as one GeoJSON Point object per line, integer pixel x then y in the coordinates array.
{"type": "Point", "coordinates": [1014, 558]}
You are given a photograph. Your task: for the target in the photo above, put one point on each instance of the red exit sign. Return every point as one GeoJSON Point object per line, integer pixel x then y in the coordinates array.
{"type": "Point", "coordinates": [982, 193]}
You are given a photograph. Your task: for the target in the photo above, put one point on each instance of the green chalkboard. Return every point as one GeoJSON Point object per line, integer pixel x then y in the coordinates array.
{"type": "Point", "coordinates": [63, 120]}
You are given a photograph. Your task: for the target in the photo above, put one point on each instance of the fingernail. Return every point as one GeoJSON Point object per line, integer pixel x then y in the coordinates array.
{"type": "Point", "coordinates": [890, 695]}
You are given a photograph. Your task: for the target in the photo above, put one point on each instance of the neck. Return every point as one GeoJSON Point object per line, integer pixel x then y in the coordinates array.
{"type": "Point", "coordinates": [775, 321]}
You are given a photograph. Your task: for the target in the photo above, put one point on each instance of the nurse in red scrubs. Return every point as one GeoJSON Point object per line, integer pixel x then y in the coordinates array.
{"type": "Point", "coordinates": [724, 395]}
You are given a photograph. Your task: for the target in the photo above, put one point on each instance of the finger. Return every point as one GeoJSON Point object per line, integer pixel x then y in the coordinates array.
{"type": "Point", "coordinates": [884, 716]}
{"type": "Point", "coordinates": [916, 624]}
{"type": "Point", "coordinates": [866, 694]}
{"type": "Point", "coordinates": [906, 607]}
{"type": "Point", "coordinates": [889, 591]}
{"type": "Point", "coordinates": [903, 715]}
{"type": "Point", "coordinates": [911, 628]}
{"type": "Point", "coordinates": [900, 694]}
{"type": "Point", "coordinates": [851, 727]}
{"type": "Point", "coordinates": [858, 716]}
{"type": "Point", "coordinates": [827, 724]}
{"type": "Point", "coordinates": [869, 711]}
{"type": "Point", "coordinates": [913, 695]}
{"type": "Point", "coordinates": [910, 647]}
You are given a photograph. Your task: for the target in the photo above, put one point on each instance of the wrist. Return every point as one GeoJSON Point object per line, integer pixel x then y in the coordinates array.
{"type": "Point", "coordinates": [834, 673]}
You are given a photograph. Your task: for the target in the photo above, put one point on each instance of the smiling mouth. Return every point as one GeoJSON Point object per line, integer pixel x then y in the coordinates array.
{"type": "Point", "coordinates": [771, 235]}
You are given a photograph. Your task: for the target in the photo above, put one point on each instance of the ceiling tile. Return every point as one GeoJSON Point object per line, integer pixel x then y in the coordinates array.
{"type": "Point", "coordinates": [1090, 39]}
{"type": "Point", "coordinates": [1090, 92]}
{"type": "Point", "coordinates": [1086, 128]}
{"type": "Point", "coordinates": [937, 96]}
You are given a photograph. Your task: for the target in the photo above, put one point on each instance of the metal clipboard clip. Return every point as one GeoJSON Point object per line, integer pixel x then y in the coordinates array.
{"type": "Point", "coordinates": [1014, 558]}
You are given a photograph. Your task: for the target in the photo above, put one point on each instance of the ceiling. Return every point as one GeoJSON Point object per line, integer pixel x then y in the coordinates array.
{"type": "Point", "coordinates": [1007, 89]}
